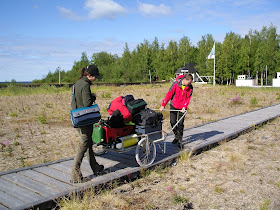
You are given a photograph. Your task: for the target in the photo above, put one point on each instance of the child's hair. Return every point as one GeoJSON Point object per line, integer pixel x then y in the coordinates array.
{"type": "Point", "coordinates": [83, 73]}
{"type": "Point", "coordinates": [188, 76]}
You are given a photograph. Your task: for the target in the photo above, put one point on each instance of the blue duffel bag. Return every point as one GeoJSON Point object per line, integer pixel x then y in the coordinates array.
{"type": "Point", "coordinates": [85, 116]}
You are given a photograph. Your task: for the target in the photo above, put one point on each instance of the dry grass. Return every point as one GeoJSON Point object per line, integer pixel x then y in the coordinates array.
{"type": "Point", "coordinates": [240, 174]}
{"type": "Point", "coordinates": [33, 124]}
{"type": "Point", "coordinates": [230, 176]}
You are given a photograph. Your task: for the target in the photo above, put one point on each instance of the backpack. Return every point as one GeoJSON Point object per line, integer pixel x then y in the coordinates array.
{"type": "Point", "coordinates": [115, 120]}
{"type": "Point", "coordinates": [135, 106]}
{"type": "Point", "coordinates": [147, 117]}
{"type": "Point", "coordinates": [127, 99]}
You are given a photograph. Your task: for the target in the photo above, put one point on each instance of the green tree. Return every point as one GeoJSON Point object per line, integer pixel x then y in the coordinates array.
{"type": "Point", "coordinates": [204, 47]}
{"type": "Point", "coordinates": [170, 59]}
{"type": "Point", "coordinates": [229, 59]}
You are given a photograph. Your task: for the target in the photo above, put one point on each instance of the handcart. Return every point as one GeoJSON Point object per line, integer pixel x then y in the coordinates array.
{"type": "Point", "coordinates": [143, 141]}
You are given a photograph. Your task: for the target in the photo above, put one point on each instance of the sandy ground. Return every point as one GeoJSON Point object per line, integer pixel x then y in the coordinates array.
{"type": "Point", "coordinates": [240, 174]}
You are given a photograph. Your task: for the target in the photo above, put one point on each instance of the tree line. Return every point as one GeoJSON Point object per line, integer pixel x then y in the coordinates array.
{"type": "Point", "coordinates": [236, 55]}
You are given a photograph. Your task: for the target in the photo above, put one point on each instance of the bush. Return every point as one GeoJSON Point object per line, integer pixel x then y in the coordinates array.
{"type": "Point", "coordinates": [254, 101]}
{"type": "Point", "coordinates": [236, 100]}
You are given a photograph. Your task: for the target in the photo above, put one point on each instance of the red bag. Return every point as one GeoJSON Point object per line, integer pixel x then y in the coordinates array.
{"type": "Point", "coordinates": [112, 133]}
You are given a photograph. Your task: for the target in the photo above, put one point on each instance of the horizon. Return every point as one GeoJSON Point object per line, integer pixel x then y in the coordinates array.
{"type": "Point", "coordinates": [39, 36]}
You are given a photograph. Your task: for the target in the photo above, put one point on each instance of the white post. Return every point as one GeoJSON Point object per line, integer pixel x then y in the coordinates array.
{"type": "Point", "coordinates": [150, 76]}
{"type": "Point", "coordinates": [214, 82]}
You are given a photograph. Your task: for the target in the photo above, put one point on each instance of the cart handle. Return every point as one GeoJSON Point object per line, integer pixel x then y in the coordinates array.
{"type": "Point", "coordinates": [169, 110]}
{"type": "Point", "coordinates": [178, 122]}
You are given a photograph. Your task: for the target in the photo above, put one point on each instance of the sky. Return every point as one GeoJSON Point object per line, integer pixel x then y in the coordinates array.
{"type": "Point", "coordinates": [38, 36]}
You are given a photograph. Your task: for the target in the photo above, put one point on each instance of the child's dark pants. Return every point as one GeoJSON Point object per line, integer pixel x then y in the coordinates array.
{"type": "Point", "coordinates": [174, 117]}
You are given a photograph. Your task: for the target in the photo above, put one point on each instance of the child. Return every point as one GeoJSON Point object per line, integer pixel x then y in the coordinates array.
{"type": "Point", "coordinates": [179, 95]}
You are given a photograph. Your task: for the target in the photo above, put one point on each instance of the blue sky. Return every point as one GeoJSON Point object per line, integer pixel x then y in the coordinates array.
{"type": "Point", "coordinates": [37, 36]}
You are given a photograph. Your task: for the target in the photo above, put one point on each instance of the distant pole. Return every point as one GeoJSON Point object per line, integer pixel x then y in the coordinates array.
{"type": "Point", "coordinates": [59, 75]}
{"type": "Point", "coordinates": [266, 75]}
{"type": "Point", "coordinates": [214, 82]}
{"type": "Point", "coordinates": [150, 76]}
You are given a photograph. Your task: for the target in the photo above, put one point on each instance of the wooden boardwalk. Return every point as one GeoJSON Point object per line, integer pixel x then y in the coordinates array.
{"type": "Point", "coordinates": [40, 185]}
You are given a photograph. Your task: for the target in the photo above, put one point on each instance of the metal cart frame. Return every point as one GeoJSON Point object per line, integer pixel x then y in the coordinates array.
{"type": "Point", "coordinates": [145, 149]}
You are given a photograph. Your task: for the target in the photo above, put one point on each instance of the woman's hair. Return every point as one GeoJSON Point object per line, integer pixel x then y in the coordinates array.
{"type": "Point", "coordinates": [83, 72]}
{"type": "Point", "coordinates": [188, 76]}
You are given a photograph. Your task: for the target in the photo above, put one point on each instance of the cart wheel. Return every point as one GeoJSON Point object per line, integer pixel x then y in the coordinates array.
{"type": "Point", "coordinates": [98, 150]}
{"type": "Point", "coordinates": [145, 153]}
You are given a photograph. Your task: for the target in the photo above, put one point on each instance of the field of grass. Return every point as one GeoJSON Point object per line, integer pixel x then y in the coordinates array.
{"type": "Point", "coordinates": [241, 174]}
{"type": "Point", "coordinates": [36, 128]}
{"type": "Point", "coordinates": [35, 120]}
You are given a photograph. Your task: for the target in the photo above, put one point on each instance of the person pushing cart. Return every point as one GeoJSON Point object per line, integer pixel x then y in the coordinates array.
{"type": "Point", "coordinates": [179, 95]}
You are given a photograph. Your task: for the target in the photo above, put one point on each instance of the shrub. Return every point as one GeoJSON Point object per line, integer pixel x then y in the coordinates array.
{"type": "Point", "coordinates": [106, 95]}
{"type": "Point", "coordinates": [236, 100]}
{"type": "Point", "coordinates": [254, 101]}
{"type": "Point", "coordinates": [265, 204]}
{"type": "Point", "coordinates": [42, 119]}
{"type": "Point", "coordinates": [177, 199]}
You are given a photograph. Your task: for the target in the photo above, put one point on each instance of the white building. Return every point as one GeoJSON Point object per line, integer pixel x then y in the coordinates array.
{"type": "Point", "coordinates": [276, 82]}
{"type": "Point", "coordinates": [243, 80]}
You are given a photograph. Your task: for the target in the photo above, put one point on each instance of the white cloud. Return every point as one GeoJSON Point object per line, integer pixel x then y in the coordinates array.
{"type": "Point", "coordinates": [36, 57]}
{"type": "Point", "coordinates": [69, 14]}
{"type": "Point", "coordinates": [104, 9]}
{"type": "Point", "coordinates": [150, 9]}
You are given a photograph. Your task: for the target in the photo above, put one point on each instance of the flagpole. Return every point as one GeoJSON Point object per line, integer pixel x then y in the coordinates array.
{"type": "Point", "coordinates": [214, 81]}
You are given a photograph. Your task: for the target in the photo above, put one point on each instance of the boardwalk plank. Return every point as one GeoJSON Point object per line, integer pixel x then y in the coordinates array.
{"type": "Point", "coordinates": [3, 207]}
{"type": "Point", "coordinates": [120, 158]}
{"type": "Point", "coordinates": [56, 174]}
{"type": "Point", "coordinates": [85, 167]}
{"type": "Point", "coordinates": [9, 200]}
{"type": "Point", "coordinates": [30, 184]}
{"type": "Point", "coordinates": [107, 163]}
{"type": "Point", "coordinates": [18, 191]}
{"type": "Point", "coordinates": [51, 182]}
{"type": "Point", "coordinates": [54, 177]}
{"type": "Point", "coordinates": [67, 168]}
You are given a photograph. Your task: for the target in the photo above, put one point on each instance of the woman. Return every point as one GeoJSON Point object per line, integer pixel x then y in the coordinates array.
{"type": "Point", "coordinates": [84, 98]}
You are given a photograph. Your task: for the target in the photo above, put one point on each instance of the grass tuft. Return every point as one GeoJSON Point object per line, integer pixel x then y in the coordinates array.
{"type": "Point", "coordinates": [177, 199]}
{"type": "Point", "coordinates": [219, 189]}
{"type": "Point", "coordinates": [254, 101]}
{"type": "Point", "coordinates": [185, 155]}
{"type": "Point", "coordinates": [265, 204]}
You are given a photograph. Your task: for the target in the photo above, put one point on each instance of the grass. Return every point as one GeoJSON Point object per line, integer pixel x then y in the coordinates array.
{"type": "Point", "coordinates": [13, 90]}
{"type": "Point", "coordinates": [42, 140]}
{"type": "Point", "coordinates": [254, 101]}
{"type": "Point", "coordinates": [218, 189]}
{"type": "Point", "coordinates": [177, 199]}
{"type": "Point", "coordinates": [185, 155]}
{"type": "Point", "coordinates": [265, 204]}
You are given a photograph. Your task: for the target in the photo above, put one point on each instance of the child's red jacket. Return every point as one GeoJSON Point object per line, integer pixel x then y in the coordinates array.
{"type": "Point", "coordinates": [178, 97]}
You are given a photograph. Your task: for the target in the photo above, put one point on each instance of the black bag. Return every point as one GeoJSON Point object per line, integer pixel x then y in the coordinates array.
{"type": "Point", "coordinates": [115, 120]}
{"type": "Point", "coordinates": [147, 117]}
{"type": "Point", "coordinates": [135, 106]}
{"type": "Point", "coordinates": [127, 99]}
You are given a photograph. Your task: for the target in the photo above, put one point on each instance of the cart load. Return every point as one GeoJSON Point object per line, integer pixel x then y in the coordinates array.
{"type": "Point", "coordinates": [143, 120]}
{"type": "Point", "coordinates": [131, 125]}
